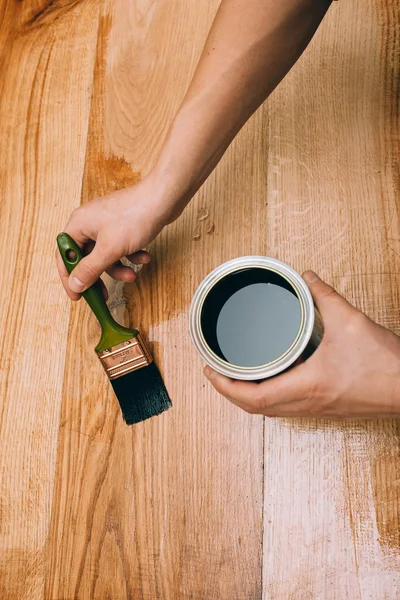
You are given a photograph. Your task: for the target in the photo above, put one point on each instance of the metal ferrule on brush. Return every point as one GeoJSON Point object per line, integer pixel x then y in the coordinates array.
{"type": "Point", "coordinates": [125, 357]}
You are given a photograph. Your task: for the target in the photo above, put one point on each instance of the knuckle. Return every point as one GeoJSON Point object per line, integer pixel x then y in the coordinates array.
{"type": "Point", "coordinates": [107, 242]}
{"type": "Point", "coordinates": [327, 291]}
{"type": "Point", "coordinates": [356, 322]}
{"type": "Point", "coordinates": [109, 246]}
{"type": "Point", "coordinates": [317, 393]}
{"type": "Point", "coordinates": [259, 403]}
{"type": "Point", "coordinates": [76, 214]}
{"type": "Point", "coordinates": [255, 405]}
{"type": "Point", "coordinates": [87, 270]}
{"type": "Point", "coordinates": [324, 401]}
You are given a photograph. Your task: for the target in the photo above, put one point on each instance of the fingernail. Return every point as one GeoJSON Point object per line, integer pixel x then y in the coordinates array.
{"type": "Point", "coordinates": [310, 277]}
{"type": "Point", "coordinates": [76, 285]}
{"type": "Point", "coordinates": [208, 371]}
{"type": "Point", "coordinates": [128, 276]}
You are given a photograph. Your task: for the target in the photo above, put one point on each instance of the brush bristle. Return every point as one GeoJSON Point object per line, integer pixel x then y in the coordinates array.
{"type": "Point", "coordinates": [141, 394]}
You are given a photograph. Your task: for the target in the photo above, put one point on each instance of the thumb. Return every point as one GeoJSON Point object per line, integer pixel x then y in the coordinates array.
{"type": "Point", "coordinates": [325, 296]}
{"type": "Point", "coordinates": [90, 268]}
{"type": "Point", "coordinates": [272, 397]}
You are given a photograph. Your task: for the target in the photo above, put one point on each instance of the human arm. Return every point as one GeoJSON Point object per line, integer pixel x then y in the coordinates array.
{"type": "Point", "coordinates": [354, 373]}
{"type": "Point", "coordinates": [251, 46]}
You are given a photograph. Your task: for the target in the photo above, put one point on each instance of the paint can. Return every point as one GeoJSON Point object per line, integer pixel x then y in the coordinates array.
{"type": "Point", "coordinates": [254, 317]}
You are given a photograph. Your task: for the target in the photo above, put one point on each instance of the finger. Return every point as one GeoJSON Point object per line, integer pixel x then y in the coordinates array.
{"type": "Point", "coordinates": [121, 272]}
{"type": "Point", "coordinates": [242, 393]}
{"type": "Point", "coordinates": [325, 296]}
{"type": "Point", "coordinates": [65, 277]}
{"type": "Point", "coordinates": [89, 269]}
{"type": "Point", "coordinates": [62, 271]}
{"type": "Point", "coordinates": [139, 258]}
{"type": "Point", "coordinates": [80, 238]}
{"type": "Point", "coordinates": [278, 396]}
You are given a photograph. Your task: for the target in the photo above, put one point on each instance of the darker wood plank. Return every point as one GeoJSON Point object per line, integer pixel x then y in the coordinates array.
{"type": "Point", "coordinates": [170, 508]}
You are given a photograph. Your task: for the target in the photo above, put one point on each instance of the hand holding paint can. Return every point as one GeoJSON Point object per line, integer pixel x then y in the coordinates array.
{"type": "Point", "coordinates": [253, 317]}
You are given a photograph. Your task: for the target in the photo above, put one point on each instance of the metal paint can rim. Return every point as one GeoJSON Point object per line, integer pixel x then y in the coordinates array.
{"type": "Point", "coordinates": [291, 354]}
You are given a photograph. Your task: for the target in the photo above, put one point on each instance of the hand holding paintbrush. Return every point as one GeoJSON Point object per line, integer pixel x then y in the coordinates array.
{"type": "Point", "coordinates": [123, 353]}
{"type": "Point", "coordinates": [251, 46]}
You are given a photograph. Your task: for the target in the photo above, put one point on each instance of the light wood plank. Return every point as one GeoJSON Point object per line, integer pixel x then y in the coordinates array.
{"type": "Point", "coordinates": [171, 508]}
{"type": "Point", "coordinates": [44, 110]}
{"type": "Point", "coordinates": [331, 491]}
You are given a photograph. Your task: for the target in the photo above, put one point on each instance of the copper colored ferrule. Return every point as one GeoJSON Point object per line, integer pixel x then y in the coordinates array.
{"type": "Point", "coordinates": [125, 357]}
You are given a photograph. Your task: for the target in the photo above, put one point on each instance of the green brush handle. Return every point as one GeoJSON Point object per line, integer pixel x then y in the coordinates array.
{"type": "Point", "coordinates": [112, 333]}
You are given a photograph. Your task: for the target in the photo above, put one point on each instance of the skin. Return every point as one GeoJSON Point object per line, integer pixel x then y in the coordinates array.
{"type": "Point", "coordinates": [354, 373]}
{"type": "Point", "coordinates": [250, 48]}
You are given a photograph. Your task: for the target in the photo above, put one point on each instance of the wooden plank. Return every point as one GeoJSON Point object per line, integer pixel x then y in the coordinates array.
{"type": "Point", "coordinates": [171, 508]}
{"type": "Point", "coordinates": [44, 110]}
{"type": "Point", "coordinates": [331, 509]}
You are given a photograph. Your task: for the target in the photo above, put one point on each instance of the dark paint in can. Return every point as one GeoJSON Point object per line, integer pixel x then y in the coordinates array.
{"type": "Point", "coordinates": [253, 317]}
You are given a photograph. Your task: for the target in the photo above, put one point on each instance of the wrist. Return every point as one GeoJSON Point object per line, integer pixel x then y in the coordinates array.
{"type": "Point", "coordinates": [175, 174]}
{"type": "Point", "coordinates": [194, 145]}
{"type": "Point", "coordinates": [160, 201]}
{"type": "Point", "coordinates": [197, 139]}
{"type": "Point", "coordinates": [171, 194]}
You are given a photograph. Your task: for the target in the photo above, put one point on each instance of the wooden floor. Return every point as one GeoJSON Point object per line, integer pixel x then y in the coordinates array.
{"type": "Point", "coordinates": [204, 502]}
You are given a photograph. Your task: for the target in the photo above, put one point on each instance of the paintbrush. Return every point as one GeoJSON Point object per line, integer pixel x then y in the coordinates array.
{"type": "Point", "coordinates": [123, 353]}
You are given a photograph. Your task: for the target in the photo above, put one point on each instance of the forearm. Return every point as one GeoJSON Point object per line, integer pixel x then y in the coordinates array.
{"type": "Point", "coordinates": [251, 46]}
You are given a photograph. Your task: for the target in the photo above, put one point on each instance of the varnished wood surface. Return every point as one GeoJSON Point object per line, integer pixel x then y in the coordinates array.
{"type": "Point", "coordinates": [204, 502]}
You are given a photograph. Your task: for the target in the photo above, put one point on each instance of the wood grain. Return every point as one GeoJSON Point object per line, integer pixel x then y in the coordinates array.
{"type": "Point", "coordinates": [44, 108]}
{"type": "Point", "coordinates": [138, 509]}
{"type": "Point", "coordinates": [203, 502]}
{"type": "Point", "coordinates": [331, 521]}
